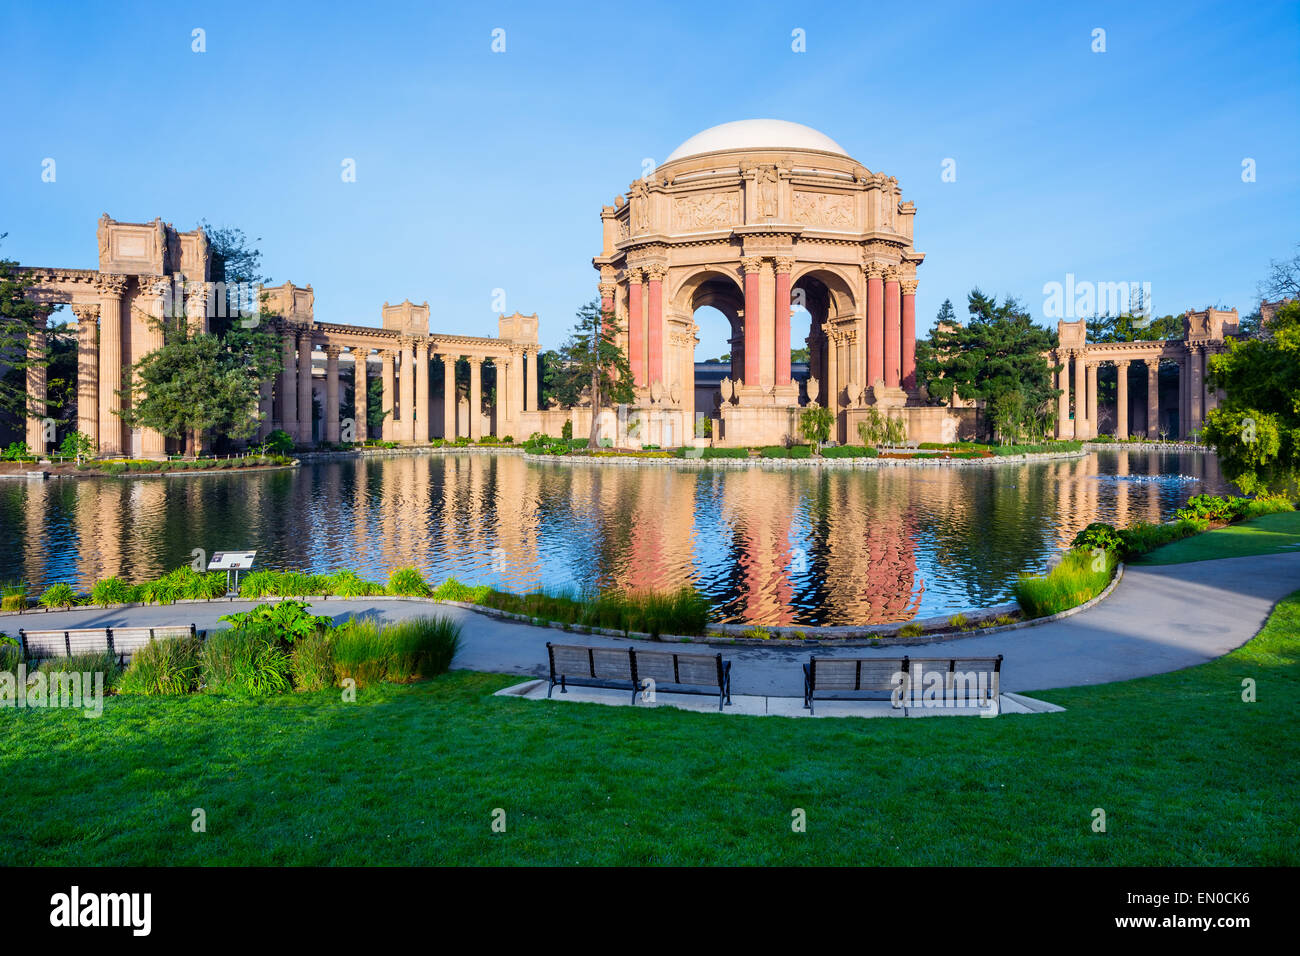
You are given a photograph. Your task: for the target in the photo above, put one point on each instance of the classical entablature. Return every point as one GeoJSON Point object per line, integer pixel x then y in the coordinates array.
{"type": "Point", "coordinates": [1204, 334]}
{"type": "Point", "coordinates": [149, 271]}
{"type": "Point", "coordinates": [743, 217]}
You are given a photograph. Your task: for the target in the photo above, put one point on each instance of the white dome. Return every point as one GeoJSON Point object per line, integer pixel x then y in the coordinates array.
{"type": "Point", "coordinates": [756, 134]}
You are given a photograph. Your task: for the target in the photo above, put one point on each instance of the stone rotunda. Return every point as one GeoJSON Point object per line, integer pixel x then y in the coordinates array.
{"type": "Point", "coordinates": [751, 217]}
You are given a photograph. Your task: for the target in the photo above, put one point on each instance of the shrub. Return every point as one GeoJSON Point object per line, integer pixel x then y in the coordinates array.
{"type": "Point", "coordinates": [285, 621]}
{"type": "Point", "coordinates": [14, 598]}
{"type": "Point", "coordinates": [1099, 534]}
{"type": "Point", "coordinates": [1080, 577]}
{"type": "Point", "coordinates": [11, 654]}
{"type": "Point", "coordinates": [112, 590]}
{"type": "Point", "coordinates": [801, 451]}
{"type": "Point", "coordinates": [1144, 536]}
{"type": "Point", "coordinates": [409, 582]}
{"type": "Point", "coordinates": [169, 666]}
{"type": "Point", "coordinates": [911, 630]}
{"type": "Point", "coordinates": [453, 590]}
{"type": "Point", "coordinates": [245, 661]}
{"type": "Point", "coordinates": [278, 442]}
{"type": "Point", "coordinates": [960, 622]}
{"type": "Point", "coordinates": [313, 661]}
{"type": "Point", "coordinates": [93, 662]}
{"type": "Point", "coordinates": [1268, 504]}
{"type": "Point", "coordinates": [1212, 508]}
{"type": "Point", "coordinates": [57, 595]}
{"type": "Point", "coordinates": [347, 583]}
{"type": "Point", "coordinates": [849, 451]}
{"type": "Point", "coordinates": [420, 647]}
{"type": "Point", "coordinates": [360, 652]}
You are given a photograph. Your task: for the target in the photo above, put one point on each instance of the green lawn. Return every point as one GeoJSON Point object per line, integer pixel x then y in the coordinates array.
{"type": "Point", "coordinates": [1186, 772]}
{"type": "Point", "coordinates": [1271, 534]}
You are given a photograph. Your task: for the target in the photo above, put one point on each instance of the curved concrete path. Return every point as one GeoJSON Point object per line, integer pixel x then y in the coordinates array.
{"type": "Point", "coordinates": [1158, 619]}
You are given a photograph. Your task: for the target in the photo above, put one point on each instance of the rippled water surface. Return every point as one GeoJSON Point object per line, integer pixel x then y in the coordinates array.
{"type": "Point", "coordinates": [766, 545]}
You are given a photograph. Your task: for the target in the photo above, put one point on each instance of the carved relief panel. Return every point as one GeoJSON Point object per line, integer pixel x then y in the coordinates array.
{"type": "Point", "coordinates": [701, 211]}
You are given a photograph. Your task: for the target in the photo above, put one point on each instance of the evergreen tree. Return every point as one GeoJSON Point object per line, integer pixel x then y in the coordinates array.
{"type": "Point", "coordinates": [20, 318]}
{"type": "Point", "coordinates": [593, 359]}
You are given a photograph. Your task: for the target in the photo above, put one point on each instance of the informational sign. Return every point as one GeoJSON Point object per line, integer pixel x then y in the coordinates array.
{"type": "Point", "coordinates": [232, 561]}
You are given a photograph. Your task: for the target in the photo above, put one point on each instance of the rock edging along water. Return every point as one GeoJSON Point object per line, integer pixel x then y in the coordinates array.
{"type": "Point", "coordinates": [38, 474]}
{"type": "Point", "coordinates": [860, 462]}
{"type": "Point", "coordinates": [718, 634]}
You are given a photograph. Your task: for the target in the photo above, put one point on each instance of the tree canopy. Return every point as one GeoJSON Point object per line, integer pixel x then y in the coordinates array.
{"type": "Point", "coordinates": [20, 317]}
{"type": "Point", "coordinates": [591, 359]}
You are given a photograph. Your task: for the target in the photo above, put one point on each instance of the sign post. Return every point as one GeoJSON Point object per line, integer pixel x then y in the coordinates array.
{"type": "Point", "coordinates": [232, 562]}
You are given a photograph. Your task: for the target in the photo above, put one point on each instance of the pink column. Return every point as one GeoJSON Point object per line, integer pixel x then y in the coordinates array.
{"type": "Point", "coordinates": [783, 267]}
{"type": "Point", "coordinates": [655, 319]}
{"type": "Point", "coordinates": [875, 323]}
{"type": "Point", "coordinates": [909, 334]}
{"type": "Point", "coordinates": [893, 331]}
{"type": "Point", "coordinates": [753, 336]}
{"type": "Point", "coordinates": [636, 351]}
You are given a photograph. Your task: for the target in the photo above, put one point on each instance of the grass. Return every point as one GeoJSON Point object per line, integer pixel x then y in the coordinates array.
{"type": "Point", "coordinates": [1269, 534]}
{"type": "Point", "coordinates": [1188, 775]}
{"type": "Point", "coordinates": [1079, 577]}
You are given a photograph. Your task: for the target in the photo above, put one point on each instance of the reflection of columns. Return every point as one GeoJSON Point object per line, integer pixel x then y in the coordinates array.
{"type": "Point", "coordinates": [387, 430]}
{"type": "Point", "coordinates": [1063, 429]}
{"type": "Point", "coordinates": [1121, 399]}
{"type": "Point", "coordinates": [360, 393]}
{"type": "Point", "coordinates": [422, 430]}
{"type": "Point", "coordinates": [1153, 397]}
{"type": "Point", "coordinates": [111, 288]}
{"type": "Point", "coordinates": [1080, 396]}
{"type": "Point", "coordinates": [35, 396]}
{"type": "Point", "coordinates": [753, 335]}
{"type": "Point", "coordinates": [1092, 400]}
{"type": "Point", "coordinates": [783, 266]}
{"type": "Point", "coordinates": [305, 414]}
{"type": "Point", "coordinates": [909, 334]}
{"type": "Point", "coordinates": [331, 429]}
{"type": "Point", "coordinates": [1196, 387]}
{"type": "Point", "coordinates": [893, 328]}
{"type": "Point", "coordinates": [475, 398]}
{"type": "Point", "coordinates": [655, 321]}
{"type": "Point", "coordinates": [530, 385]}
{"type": "Point", "coordinates": [635, 326]}
{"type": "Point", "coordinates": [288, 386]}
{"type": "Point", "coordinates": [875, 323]}
{"type": "Point", "coordinates": [448, 397]}
{"type": "Point", "coordinates": [88, 371]}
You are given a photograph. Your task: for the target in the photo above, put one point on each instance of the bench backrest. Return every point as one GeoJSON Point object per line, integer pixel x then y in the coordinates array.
{"type": "Point", "coordinates": [122, 641]}
{"type": "Point", "coordinates": [616, 663]}
{"type": "Point", "coordinates": [856, 673]}
{"type": "Point", "coordinates": [666, 667]}
{"type": "Point", "coordinates": [598, 663]}
{"type": "Point", "coordinates": [963, 678]}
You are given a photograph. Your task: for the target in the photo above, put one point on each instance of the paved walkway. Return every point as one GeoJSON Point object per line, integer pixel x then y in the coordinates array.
{"type": "Point", "coordinates": [1158, 619]}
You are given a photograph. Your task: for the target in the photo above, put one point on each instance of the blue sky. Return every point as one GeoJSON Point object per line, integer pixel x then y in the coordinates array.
{"type": "Point", "coordinates": [479, 171]}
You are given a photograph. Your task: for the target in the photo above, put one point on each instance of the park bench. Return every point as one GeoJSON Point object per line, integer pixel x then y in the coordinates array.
{"type": "Point", "coordinates": [900, 448]}
{"type": "Point", "coordinates": [582, 665]}
{"type": "Point", "coordinates": [967, 681]}
{"type": "Point", "coordinates": [122, 642]}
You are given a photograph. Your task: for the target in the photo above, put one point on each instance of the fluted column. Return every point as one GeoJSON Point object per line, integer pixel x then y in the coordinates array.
{"type": "Point", "coordinates": [360, 393]}
{"type": "Point", "coordinates": [36, 378]}
{"type": "Point", "coordinates": [264, 409]}
{"type": "Point", "coordinates": [111, 288]}
{"type": "Point", "coordinates": [832, 384]}
{"type": "Point", "coordinates": [1092, 400]}
{"type": "Point", "coordinates": [406, 393]}
{"type": "Point", "coordinates": [1063, 426]}
{"type": "Point", "coordinates": [475, 397]}
{"type": "Point", "coordinates": [636, 327]}
{"type": "Point", "coordinates": [289, 384]}
{"type": "Point", "coordinates": [1121, 400]}
{"type": "Point", "coordinates": [448, 397]}
{"type": "Point", "coordinates": [875, 322]}
{"type": "Point", "coordinates": [1153, 398]}
{"type": "Point", "coordinates": [1197, 385]}
{"type": "Point", "coordinates": [784, 265]}
{"type": "Point", "coordinates": [516, 387]}
{"type": "Point", "coordinates": [146, 323]}
{"type": "Point", "coordinates": [196, 306]}
{"type": "Point", "coordinates": [753, 267]}
{"type": "Point", "coordinates": [1080, 396]}
{"type": "Point", "coordinates": [655, 322]}
{"type": "Point", "coordinates": [331, 429]}
{"type": "Point", "coordinates": [909, 334]}
{"type": "Point", "coordinates": [88, 370]}
{"type": "Point", "coordinates": [893, 329]}
{"type": "Point", "coordinates": [387, 432]}
{"type": "Point", "coordinates": [422, 430]}
{"type": "Point", "coordinates": [1184, 375]}
{"type": "Point", "coordinates": [530, 385]}
{"type": "Point", "coordinates": [304, 387]}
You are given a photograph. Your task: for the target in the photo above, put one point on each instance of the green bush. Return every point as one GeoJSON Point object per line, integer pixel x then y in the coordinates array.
{"type": "Point", "coordinates": [11, 654]}
{"type": "Point", "coordinates": [246, 661]}
{"type": "Point", "coordinates": [278, 442]}
{"type": "Point", "coordinates": [420, 647]}
{"type": "Point", "coordinates": [1080, 577]}
{"type": "Point", "coordinates": [1144, 536]}
{"type": "Point", "coordinates": [313, 661]}
{"type": "Point", "coordinates": [286, 621]}
{"type": "Point", "coordinates": [112, 591]}
{"type": "Point", "coordinates": [453, 590]}
{"type": "Point", "coordinates": [360, 652]}
{"type": "Point", "coordinates": [849, 451]}
{"type": "Point", "coordinates": [347, 583]}
{"type": "Point", "coordinates": [1213, 508]}
{"type": "Point", "coordinates": [1099, 534]}
{"type": "Point", "coordinates": [169, 666]}
{"type": "Point", "coordinates": [408, 582]}
{"type": "Point", "coordinates": [801, 451]}
{"type": "Point", "coordinates": [13, 597]}
{"type": "Point", "coordinates": [57, 595]}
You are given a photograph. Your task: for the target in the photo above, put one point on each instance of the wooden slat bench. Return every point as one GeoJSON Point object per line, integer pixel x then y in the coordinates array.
{"type": "Point", "coordinates": [122, 642]}
{"type": "Point", "coordinates": [583, 665]}
{"type": "Point", "coordinates": [967, 681]}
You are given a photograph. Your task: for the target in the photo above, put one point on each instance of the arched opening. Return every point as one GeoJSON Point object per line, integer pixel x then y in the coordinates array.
{"type": "Point", "coordinates": [818, 297]}
{"type": "Point", "coordinates": [716, 305]}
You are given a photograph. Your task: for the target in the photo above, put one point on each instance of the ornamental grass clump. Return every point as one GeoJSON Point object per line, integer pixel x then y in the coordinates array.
{"type": "Point", "coordinates": [168, 666]}
{"type": "Point", "coordinates": [112, 590]}
{"type": "Point", "coordinates": [347, 583]}
{"type": "Point", "coordinates": [1080, 577]}
{"type": "Point", "coordinates": [408, 582]}
{"type": "Point", "coordinates": [90, 662]}
{"type": "Point", "coordinates": [313, 661]}
{"type": "Point", "coordinates": [57, 595]}
{"type": "Point", "coordinates": [246, 662]}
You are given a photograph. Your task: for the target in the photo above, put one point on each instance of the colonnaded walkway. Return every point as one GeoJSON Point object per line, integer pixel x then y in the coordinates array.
{"type": "Point", "coordinates": [1158, 619]}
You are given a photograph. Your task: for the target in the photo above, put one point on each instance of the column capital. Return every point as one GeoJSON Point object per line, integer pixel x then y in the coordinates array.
{"type": "Point", "coordinates": [387, 355]}
{"type": "Point", "coordinates": [304, 335]}
{"type": "Point", "coordinates": [1123, 363]}
{"type": "Point", "coordinates": [85, 313]}
{"type": "Point", "coordinates": [448, 359]}
{"type": "Point", "coordinates": [891, 273]}
{"type": "Point", "coordinates": [634, 274]}
{"type": "Point", "coordinates": [656, 271]}
{"type": "Point", "coordinates": [785, 264]}
{"type": "Point", "coordinates": [874, 270]}
{"type": "Point", "coordinates": [909, 286]}
{"type": "Point", "coordinates": [110, 285]}
{"type": "Point", "coordinates": [332, 350]}
{"type": "Point", "coordinates": [474, 360]}
{"type": "Point", "coordinates": [751, 264]}
{"type": "Point", "coordinates": [606, 290]}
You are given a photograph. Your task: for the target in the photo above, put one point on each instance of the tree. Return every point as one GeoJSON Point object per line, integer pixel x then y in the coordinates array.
{"type": "Point", "coordinates": [797, 356]}
{"type": "Point", "coordinates": [592, 358]}
{"type": "Point", "coordinates": [999, 352]}
{"type": "Point", "coordinates": [235, 263]}
{"type": "Point", "coordinates": [77, 445]}
{"type": "Point", "coordinates": [815, 426]}
{"type": "Point", "coordinates": [20, 319]}
{"type": "Point", "coordinates": [1255, 431]}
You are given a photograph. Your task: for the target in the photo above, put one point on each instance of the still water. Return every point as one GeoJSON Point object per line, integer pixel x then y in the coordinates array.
{"type": "Point", "coordinates": [767, 546]}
